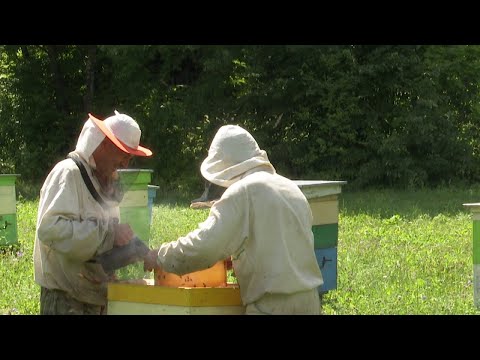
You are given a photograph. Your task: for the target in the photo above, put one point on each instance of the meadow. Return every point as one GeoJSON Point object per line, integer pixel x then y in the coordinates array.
{"type": "Point", "coordinates": [399, 252]}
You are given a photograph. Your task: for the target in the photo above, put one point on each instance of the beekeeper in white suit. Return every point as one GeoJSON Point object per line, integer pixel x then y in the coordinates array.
{"type": "Point", "coordinates": [262, 220]}
{"type": "Point", "coordinates": [78, 217]}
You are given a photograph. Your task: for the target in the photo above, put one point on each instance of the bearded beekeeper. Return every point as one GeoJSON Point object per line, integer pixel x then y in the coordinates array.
{"type": "Point", "coordinates": [262, 220]}
{"type": "Point", "coordinates": [78, 217]}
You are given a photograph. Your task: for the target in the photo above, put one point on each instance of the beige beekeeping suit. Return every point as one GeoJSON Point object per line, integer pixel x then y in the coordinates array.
{"type": "Point", "coordinates": [263, 220]}
{"type": "Point", "coordinates": [72, 226]}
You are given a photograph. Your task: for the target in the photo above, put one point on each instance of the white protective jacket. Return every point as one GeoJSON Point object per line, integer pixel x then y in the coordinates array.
{"type": "Point", "coordinates": [72, 227]}
{"type": "Point", "coordinates": [262, 219]}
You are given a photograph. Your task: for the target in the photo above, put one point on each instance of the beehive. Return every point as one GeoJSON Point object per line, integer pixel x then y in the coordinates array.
{"type": "Point", "coordinates": [8, 210]}
{"type": "Point", "coordinates": [323, 199]}
{"type": "Point", "coordinates": [475, 211]}
{"type": "Point", "coordinates": [134, 207]}
{"type": "Point", "coordinates": [142, 297]}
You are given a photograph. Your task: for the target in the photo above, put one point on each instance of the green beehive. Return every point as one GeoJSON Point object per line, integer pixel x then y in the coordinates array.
{"type": "Point", "coordinates": [8, 210]}
{"type": "Point", "coordinates": [323, 199]}
{"type": "Point", "coordinates": [134, 209]}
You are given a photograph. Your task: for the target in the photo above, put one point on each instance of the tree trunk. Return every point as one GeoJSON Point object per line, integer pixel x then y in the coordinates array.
{"type": "Point", "coordinates": [89, 77]}
{"type": "Point", "coordinates": [60, 102]}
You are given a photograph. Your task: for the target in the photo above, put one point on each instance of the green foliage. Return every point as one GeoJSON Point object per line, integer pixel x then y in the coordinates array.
{"type": "Point", "coordinates": [41, 106]}
{"type": "Point", "coordinates": [383, 115]}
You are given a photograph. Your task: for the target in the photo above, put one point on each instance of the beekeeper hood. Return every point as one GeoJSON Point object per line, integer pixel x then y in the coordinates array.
{"type": "Point", "coordinates": [121, 129]}
{"type": "Point", "coordinates": [233, 152]}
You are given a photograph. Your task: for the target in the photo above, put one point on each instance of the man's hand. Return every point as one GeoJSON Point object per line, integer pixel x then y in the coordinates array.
{"type": "Point", "coordinates": [150, 260]}
{"type": "Point", "coordinates": [123, 234]}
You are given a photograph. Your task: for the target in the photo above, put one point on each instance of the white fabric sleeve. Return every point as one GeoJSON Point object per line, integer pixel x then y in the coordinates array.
{"type": "Point", "coordinates": [218, 237]}
{"type": "Point", "coordinates": [62, 224]}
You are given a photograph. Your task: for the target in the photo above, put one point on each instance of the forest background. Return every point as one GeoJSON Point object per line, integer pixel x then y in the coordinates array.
{"type": "Point", "coordinates": [398, 116]}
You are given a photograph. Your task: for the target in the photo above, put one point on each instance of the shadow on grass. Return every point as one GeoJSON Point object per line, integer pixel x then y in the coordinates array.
{"type": "Point", "coordinates": [380, 203]}
{"type": "Point", "coordinates": [409, 204]}
{"type": "Point", "coordinates": [174, 198]}
{"type": "Point", "coordinates": [9, 249]}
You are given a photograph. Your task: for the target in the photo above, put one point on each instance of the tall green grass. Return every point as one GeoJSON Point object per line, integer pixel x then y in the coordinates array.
{"type": "Point", "coordinates": [404, 252]}
{"type": "Point", "coordinates": [399, 252]}
{"type": "Point", "coordinates": [18, 292]}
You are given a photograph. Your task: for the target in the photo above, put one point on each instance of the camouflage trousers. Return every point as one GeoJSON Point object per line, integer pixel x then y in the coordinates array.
{"type": "Point", "coordinates": [58, 302]}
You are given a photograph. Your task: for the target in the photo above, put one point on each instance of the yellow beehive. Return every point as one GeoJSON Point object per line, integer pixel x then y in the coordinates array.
{"type": "Point", "coordinates": [143, 297]}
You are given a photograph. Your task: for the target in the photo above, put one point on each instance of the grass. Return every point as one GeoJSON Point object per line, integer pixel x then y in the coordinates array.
{"type": "Point", "coordinates": [399, 252]}
{"type": "Point", "coordinates": [19, 294]}
{"type": "Point", "coordinates": [404, 253]}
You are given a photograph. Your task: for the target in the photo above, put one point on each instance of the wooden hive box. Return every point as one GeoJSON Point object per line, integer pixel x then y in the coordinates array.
{"type": "Point", "coordinates": [142, 297]}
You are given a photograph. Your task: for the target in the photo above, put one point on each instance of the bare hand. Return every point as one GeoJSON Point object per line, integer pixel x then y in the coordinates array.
{"type": "Point", "coordinates": [123, 234]}
{"type": "Point", "coordinates": [150, 261]}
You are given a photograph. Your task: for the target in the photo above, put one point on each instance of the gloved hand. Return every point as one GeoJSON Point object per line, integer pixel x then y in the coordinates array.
{"type": "Point", "coordinates": [123, 234]}
{"type": "Point", "coordinates": [121, 256]}
{"type": "Point", "coordinates": [150, 260]}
